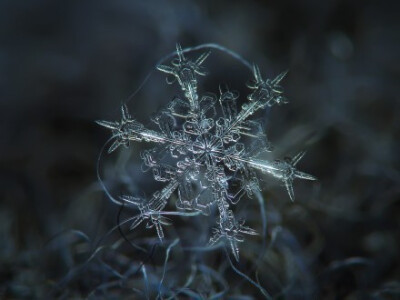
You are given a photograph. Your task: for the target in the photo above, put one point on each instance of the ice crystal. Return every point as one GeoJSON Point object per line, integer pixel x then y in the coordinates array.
{"type": "Point", "coordinates": [207, 150]}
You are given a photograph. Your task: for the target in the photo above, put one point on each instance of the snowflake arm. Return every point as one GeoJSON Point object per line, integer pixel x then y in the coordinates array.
{"type": "Point", "coordinates": [284, 170]}
{"type": "Point", "coordinates": [185, 72]}
{"type": "Point", "coordinates": [231, 231]}
{"type": "Point", "coordinates": [129, 129]}
{"type": "Point", "coordinates": [265, 93]}
{"type": "Point", "coordinates": [150, 209]}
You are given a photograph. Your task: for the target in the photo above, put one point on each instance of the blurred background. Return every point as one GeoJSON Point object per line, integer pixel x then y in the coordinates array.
{"type": "Point", "coordinates": [65, 64]}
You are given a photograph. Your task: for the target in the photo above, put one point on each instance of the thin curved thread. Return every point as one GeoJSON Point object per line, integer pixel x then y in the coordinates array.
{"type": "Point", "coordinates": [213, 46]}
{"type": "Point", "coordinates": [218, 278]}
{"type": "Point", "coordinates": [262, 290]}
{"type": "Point", "coordinates": [130, 219]}
{"type": "Point", "coordinates": [153, 249]}
{"type": "Point", "coordinates": [186, 285]}
{"type": "Point", "coordinates": [173, 244]}
{"type": "Point", "coordinates": [146, 282]}
{"type": "Point", "coordinates": [67, 231]}
{"type": "Point", "coordinates": [204, 248]}
{"type": "Point", "coordinates": [262, 252]}
{"type": "Point", "coordinates": [102, 288]}
{"type": "Point", "coordinates": [98, 172]}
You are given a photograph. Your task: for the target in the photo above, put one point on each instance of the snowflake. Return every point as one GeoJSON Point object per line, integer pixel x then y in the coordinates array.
{"type": "Point", "coordinates": [208, 153]}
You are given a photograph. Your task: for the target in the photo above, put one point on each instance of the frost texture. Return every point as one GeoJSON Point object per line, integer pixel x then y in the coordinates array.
{"type": "Point", "coordinates": [208, 155]}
